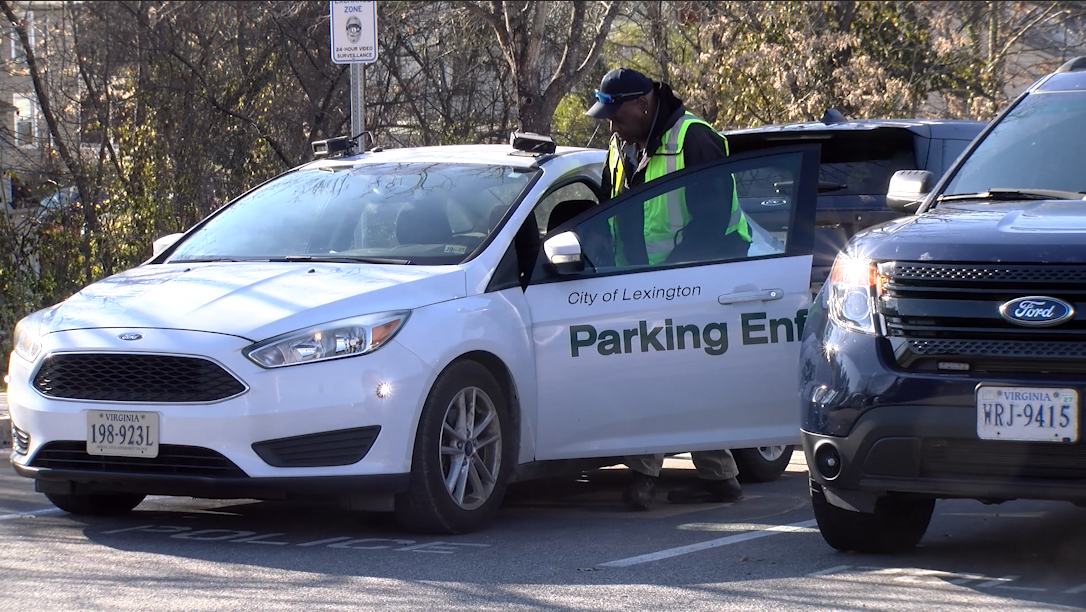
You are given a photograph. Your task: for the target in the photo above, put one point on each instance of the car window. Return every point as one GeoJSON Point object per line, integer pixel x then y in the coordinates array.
{"type": "Point", "coordinates": [1039, 144]}
{"type": "Point", "coordinates": [863, 165]}
{"type": "Point", "coordinates": [429, 213]}
{"type": "Point", "coordinates": [569, 201]}
{"type": "Point", "coordinates": [692, 219]}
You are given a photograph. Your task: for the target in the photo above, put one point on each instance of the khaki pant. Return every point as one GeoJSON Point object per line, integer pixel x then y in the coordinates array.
{"type": "Point", "coordinates": [711, 465]}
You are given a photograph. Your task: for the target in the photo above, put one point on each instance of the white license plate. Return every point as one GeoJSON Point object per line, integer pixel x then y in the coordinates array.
{"type": "Point", "coordinates": [1033, 414]}
{"type": "Point", "coordinates": [122, 434]}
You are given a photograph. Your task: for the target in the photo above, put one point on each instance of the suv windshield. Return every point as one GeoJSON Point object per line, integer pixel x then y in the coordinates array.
{"type": "Point", "coordinates": [1039, 145]}
{"type": "Point", "coordinates": [422, 213]}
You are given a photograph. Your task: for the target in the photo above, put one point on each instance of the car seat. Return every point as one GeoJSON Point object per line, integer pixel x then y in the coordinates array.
{"type": "Point", "coordinates": [423, 223]}
{"type": "Point", "coordinates": [566, 210]}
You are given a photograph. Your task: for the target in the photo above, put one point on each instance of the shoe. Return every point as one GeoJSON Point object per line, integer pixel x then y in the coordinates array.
{"type": "Point", "coordinates": [641, 493]}
{"type": "Point", "coordinates": [707, 491]}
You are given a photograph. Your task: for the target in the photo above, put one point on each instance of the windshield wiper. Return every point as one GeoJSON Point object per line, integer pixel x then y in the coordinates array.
{"type": "Point", "coordinates": [344, 259]}
{"type": "Point", "coordinates": [201, 260]}
{"type": "Point", "coordinates": [1015, 194]}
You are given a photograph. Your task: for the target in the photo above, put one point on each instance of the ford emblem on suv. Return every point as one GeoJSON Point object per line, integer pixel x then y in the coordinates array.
{"type": "Point", "coordinates": [131, 336]}
{"type": "Point", "coordinates": [1036, 311]}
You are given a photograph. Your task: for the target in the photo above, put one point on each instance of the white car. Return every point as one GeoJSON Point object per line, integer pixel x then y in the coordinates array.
{"type": "Point", "coordinates": [412, 329]}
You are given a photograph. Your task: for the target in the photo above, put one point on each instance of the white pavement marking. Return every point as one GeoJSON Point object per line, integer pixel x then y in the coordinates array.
{"type": "Point", "coordinates": [31, 514]}
{"type": "Point", "coordinates": [997, 581]}
{"type": "Point", "coordinates": [1079, 589]}
{"type": "Point", "coordinates": [832, 570]}
{"type": "Point", "coordinates": [1030, 589]}
{"type": "Point", "coordinates": [734, 539]}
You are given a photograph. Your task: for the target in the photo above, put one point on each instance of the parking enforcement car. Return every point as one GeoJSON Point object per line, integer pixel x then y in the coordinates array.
{"type": "Point", "coordinates": [412, 329]}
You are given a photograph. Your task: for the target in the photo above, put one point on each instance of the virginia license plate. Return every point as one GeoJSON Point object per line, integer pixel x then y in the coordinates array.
{"type": "Point", "coordinates": [1031, 414]}
{"type": "Point", "coordinates": [122, 434]}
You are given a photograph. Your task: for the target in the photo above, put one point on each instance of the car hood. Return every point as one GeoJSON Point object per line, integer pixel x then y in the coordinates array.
{"type": "Point", "coordinates": [252, 300]}
{"type": "Point", "coordinates": [1035, 231]}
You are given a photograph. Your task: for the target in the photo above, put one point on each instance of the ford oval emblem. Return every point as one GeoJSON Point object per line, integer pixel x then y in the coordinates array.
{"type": "Point", "coordinates": [1036, 311]}
{"type": "Point", "coordinates": [130, 336]}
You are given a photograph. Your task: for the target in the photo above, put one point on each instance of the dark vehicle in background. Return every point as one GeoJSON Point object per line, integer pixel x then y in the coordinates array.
{"type": "Point", "coordinates": [946, 355]}
{"type": "Point", "coordinates": [858, 159]}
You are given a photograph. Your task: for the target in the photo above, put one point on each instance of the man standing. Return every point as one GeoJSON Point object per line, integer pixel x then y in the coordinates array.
{"type": "Point", "coordinates": [653, 135]}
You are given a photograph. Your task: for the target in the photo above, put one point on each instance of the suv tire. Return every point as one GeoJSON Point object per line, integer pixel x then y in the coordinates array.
{"type": "Point", "coordinates": [895, 526]}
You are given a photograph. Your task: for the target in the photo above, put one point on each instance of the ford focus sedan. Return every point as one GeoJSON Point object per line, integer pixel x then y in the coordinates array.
{"type": "Point", "coordinates": [410, 330]}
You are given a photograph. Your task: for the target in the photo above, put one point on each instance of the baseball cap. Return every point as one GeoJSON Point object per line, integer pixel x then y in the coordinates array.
{"type": "Point", "coordinates": [618, 86]}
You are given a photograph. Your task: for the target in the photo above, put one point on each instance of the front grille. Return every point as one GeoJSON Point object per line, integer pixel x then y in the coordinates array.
{"type": "Point", "coordinates": [122, 377]}
{"type": "Point", "coordinates": [172, 460]}
{"type": "Point", "coordinates": [907, 271]}
{"type": "Point", "coordinates": [342, 447]}
{"type": "Point", "coordinates": [20, 440]}
{"type": "Point", "coordinates": [942, 312]}
{"type": "Point", "coordinates": [999, 459]}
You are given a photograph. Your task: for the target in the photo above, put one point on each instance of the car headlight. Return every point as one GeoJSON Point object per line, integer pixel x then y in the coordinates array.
{"type": "Point", "coordinates": [334, 340]}
{"type": "Point", "coordinates": [28, 333]}
{"type": "Point", "coordinates": [854, 287]}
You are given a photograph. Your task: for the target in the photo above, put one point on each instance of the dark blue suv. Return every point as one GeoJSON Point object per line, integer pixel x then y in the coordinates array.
{"type": "Point", "coordinates": [945, 357]}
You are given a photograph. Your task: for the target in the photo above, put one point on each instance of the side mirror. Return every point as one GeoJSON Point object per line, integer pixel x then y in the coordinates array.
{"type": "Point", "coordinates": [564, 253]}
{"type": "Point", "coordinates": [163, 243]}
{"type": "Point", "coordinates": [907, 189]}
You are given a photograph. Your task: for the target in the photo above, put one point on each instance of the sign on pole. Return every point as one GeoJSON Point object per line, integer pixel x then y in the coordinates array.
{"type": "Point", "coordinates": [354, 42]}
{"type": "Point", "coordinates": [354, 32]}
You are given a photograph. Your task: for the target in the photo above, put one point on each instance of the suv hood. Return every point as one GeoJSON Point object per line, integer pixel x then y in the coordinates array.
{"type": "Point", "coordinates": [252, 300]}
{"type": "Point", "coordinates": [1051, 231]}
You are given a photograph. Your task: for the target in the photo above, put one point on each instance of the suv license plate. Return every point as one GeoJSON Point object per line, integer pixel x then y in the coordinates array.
{"type": "Point", "coordinates": [1030, 414]}
{"type": "Point", "coordinates": [122, 434]}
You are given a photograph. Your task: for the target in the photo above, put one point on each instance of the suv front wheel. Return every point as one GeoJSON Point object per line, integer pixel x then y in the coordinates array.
{"type": "Point", "coordinates": [896, 525]}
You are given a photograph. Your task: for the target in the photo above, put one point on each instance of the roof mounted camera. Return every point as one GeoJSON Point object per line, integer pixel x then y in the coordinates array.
{"type": "Point", "coordinates": [531, 144]}
{"type": "Point", "coordinates": [341, 146]}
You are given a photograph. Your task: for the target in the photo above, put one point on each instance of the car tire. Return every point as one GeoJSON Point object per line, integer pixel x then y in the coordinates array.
{"type": "Point", "coordinates": [896, 525]}
{"type": "Point", "coordinates": [458, 477]}
{"type": "Point", "coordinates": [97, 504]}
{"type": "Point", "coordinates": [762, 464]}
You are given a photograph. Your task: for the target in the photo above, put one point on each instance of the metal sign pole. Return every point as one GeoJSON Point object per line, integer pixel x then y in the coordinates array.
{"type": "Point", "coordinates": [358, 100]}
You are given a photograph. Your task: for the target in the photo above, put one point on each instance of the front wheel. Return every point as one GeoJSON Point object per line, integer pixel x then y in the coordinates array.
{"type": "Point", "coordinates": [762, 464]}
{"type": "Point", "coordinates": [895, 526]}
{"type": "Point", "coordinates": [97, 504]}
{"type": "Point", "coordinates": [460, 463]}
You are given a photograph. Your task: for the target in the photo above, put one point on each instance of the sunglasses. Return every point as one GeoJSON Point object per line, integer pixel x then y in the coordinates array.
{"type": "Point", "coordinates": [606, 98]}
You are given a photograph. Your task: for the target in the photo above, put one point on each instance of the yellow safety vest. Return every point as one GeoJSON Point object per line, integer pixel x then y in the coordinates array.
{"type": "Point", "coordinates": [665, 215]}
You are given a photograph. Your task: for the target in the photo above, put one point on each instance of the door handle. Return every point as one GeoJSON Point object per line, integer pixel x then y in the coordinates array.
{"type": "Point", "coordinates": [751, 296]}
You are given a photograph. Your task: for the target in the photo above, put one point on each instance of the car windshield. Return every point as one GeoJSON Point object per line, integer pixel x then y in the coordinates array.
{"type": "Point", "coordinates": [420, 213]}
{"type": "Point", "coordinates": [1039, 145]}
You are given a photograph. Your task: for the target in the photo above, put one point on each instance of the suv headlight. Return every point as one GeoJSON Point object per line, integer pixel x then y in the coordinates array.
{"type": "Point", "coordinates": [334, 340]}
{"type": "Point", "coordinates": [853, 291]}
{"type": "Point", "coordinates": [28, 333]}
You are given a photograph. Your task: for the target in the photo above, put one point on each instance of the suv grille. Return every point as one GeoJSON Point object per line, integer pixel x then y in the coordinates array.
{"type": "Point", "coordinates": [123, 377]}
{"type": "Point", "coordinates": [172, 460]}
{"type": "Point", "coordinates": [937, 312]}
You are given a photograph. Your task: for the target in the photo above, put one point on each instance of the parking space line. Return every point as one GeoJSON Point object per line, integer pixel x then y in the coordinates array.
{"type": "Point", "coordinates": [1079, 589]}
{"type": "Point", "coordinates": [832, 570]}
{"type": "Point", "coordinates": [31, 514]}
{"type": "Point", "coordinates": [734, 539]}
{"type": "Point", "coordinates": [997, 581]}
